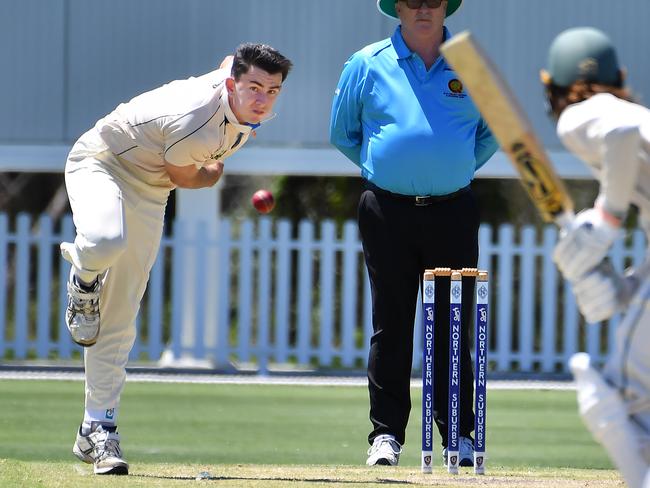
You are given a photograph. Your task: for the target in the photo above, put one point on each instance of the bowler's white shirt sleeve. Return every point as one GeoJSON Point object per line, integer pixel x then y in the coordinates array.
{"type": "Point", "coordinates": [184, 122]}
{"type": "Point", "coordinates": [187, 141]}
{"type": "Point", "coordinates": [209, 132]}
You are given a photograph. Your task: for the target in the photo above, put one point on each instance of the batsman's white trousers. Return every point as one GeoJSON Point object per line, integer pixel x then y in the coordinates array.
{"type": "Point", "coordinates": [628, 366]}
{"type": "Point", "coordinates": [617, 410]}
{"type": "Point", "coordinates": [119, 221]}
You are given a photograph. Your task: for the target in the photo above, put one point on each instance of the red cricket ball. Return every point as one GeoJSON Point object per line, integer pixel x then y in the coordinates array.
{"type": "Point", "coordinates": [263, 201]}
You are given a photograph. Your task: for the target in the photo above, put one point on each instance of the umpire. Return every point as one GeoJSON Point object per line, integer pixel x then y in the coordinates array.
{"type": "Point", "coordinates": [401, 114]}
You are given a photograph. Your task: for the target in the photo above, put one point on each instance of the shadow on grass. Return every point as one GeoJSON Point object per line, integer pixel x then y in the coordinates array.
{"type": "Point", "coordinates": [381, 481]}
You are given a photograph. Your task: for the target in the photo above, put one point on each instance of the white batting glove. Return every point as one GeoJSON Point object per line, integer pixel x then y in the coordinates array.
{"type": "Point", "coordinates": [602, 292]}
{"type": "Point", "coordinates": [583, 245]}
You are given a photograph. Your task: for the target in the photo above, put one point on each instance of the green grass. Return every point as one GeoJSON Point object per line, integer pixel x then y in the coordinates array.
{"type": "Point", "coordinates": [182, 429]}
{"type": "Point", "coordinates": [64, 475]}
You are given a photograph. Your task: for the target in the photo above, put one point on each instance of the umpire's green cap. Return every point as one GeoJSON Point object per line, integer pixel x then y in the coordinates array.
{"type": "Point", "coordinates": [387, 7]}
{"type": "Point", "coordinates": [583, 53]}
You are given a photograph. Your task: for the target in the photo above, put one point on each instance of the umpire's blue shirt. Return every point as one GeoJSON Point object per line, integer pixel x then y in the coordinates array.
{"type": "Point", "coordinates": [412, 131]}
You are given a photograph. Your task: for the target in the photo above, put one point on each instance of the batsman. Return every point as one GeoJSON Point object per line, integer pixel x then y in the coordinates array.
{"type": "Point", "coordinates": [598, 122]}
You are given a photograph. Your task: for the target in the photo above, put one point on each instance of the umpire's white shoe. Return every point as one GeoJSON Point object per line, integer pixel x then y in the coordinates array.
{"type": "Point", "coordinates": [385, 451]}
{"type": "Point", "coordinates": [82, 314]}
{"type": "Point", "coordinates": [466, 452]}
{"type": "Point", "coordinates": [102, 448]}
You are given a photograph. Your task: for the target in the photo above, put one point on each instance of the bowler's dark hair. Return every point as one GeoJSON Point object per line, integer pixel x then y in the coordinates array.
{"type": "Point", "coordinates": [262, 56]}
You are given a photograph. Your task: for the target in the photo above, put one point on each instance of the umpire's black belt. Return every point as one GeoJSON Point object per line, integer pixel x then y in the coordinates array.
{"type": "Point", "coordinates": [417, 200]}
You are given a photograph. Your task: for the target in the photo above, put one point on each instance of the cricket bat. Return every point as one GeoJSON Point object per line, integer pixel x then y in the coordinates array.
{"type": "Point", "coordinates": [509, 124]}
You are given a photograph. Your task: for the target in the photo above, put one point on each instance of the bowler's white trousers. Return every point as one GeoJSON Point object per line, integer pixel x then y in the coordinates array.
{"type": "Point", "coordinates": [119, 221]}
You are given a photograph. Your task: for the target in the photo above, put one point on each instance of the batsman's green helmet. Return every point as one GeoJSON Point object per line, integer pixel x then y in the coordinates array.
{"type": "Point", "coordinates": [387, 7]}
{"type": "Point", "coordinates": [583, 53]}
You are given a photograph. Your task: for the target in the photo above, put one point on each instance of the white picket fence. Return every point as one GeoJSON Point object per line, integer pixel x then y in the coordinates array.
{"type": "Point", "coordinates": [293, 295]}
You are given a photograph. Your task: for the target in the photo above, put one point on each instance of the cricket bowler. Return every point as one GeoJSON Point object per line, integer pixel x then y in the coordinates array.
{"type": "Point", "coordinates": [119, 176]}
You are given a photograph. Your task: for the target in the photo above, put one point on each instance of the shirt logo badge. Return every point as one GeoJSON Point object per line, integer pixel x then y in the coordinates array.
{"type": "Point", "coordinates": [455, 89]}
{"type": "Point", "coordinates": [455, 86]}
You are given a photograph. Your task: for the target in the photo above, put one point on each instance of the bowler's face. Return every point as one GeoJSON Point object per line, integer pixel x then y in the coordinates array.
{"type": "Point", "coordinates": [252, 96]}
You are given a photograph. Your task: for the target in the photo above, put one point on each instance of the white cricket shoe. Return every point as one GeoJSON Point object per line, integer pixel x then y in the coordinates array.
{"type": "Point", "coordinates": [82, 314]}
{"type": "Point", "coordinates": [101, 448]}
{"type": "Point", "coordinates": [466, 452]}
{"type": "Point", "coordinates": [385, 451]}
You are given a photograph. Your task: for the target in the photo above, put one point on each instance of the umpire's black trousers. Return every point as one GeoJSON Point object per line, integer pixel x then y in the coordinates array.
{"type": "Point", "coordinates": [400, 239]}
